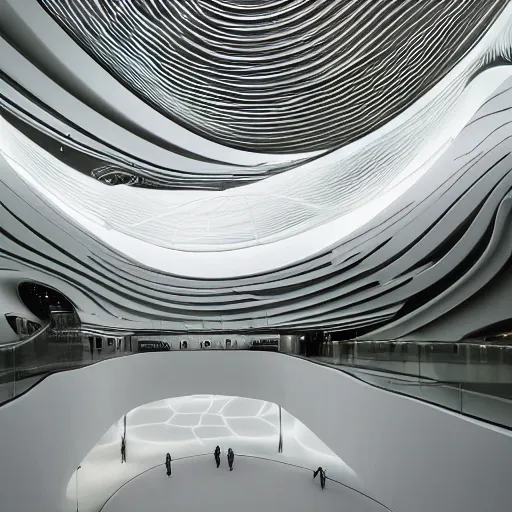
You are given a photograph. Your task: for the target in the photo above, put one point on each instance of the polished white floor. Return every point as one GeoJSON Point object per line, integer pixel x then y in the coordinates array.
{"type": "Point", "coordinates": [192, 426]}
{"type": "Point", "coordinates": [254, 485]}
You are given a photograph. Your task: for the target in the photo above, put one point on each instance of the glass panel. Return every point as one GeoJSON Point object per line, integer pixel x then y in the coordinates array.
{"type": "Point", "coordinates": [471, 378]}
{"type": "Point", "coordinates": [48, 351]}
{"type": "Point", "coordinates": [6, 374]}
{"type": "Point", "coordinates": [491, 408]}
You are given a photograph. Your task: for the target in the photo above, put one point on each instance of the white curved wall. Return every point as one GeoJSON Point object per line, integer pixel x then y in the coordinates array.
{"type": "Point", "coordinates": [190, 427]}
{"type": "Point", "coordinates": [409, 455]}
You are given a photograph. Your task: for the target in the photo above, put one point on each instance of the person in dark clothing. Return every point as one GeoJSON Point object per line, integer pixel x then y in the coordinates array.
{"type": "Point", "coordinates": [168, 464]}
{"type": "Point", "coordinates": [216, 453]}
{"type": "Point", "coordinates": [231, 459]}
{"type": "Point", "coordinates": [322, 476]}
{"type": "Point", "coordinates": [123, 449]}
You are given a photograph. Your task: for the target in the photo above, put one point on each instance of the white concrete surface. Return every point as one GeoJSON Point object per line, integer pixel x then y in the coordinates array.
{"type": "Point", "coordinates": [253, 486]}
{"type": "Point", "coordinates": [194, 426]}
{"type": "Point", "coordinates": [411, 456]}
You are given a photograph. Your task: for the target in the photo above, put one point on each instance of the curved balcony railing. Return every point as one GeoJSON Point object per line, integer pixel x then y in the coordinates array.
{"type": "Point", "coordinates": [25, 362]}
{"type": "Point", "coordinates": [377, 505]}
{"type": "Point", "coordinates": [25, 341]}
{"type": "Point", "coordinates": [469, 378]}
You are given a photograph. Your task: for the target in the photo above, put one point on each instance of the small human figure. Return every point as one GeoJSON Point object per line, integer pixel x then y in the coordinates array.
{"type": "Point", "coordinates": [123, 449]}
{"type": "Point", "coordinates": [217, 455]}
{"type": "Point", "coordinates": [322, 476]}
{"type": "Point", "coordinates": [231, 458]}
{"type": "Point", "coordinates": [168, 464]}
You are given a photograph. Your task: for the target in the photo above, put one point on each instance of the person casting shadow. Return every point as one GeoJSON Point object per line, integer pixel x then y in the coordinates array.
{"type": "Point", "coordinates": [322, 476]}
{"type": "Point", "coordinates": [231, 458]}
{"type": "Point", "coordinates": [217, 455]}
{"type": "Point", "coordinates": [168, 464]}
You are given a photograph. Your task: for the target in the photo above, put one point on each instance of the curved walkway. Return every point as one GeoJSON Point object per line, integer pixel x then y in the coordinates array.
{"type": "Point", "coordinates": [252, 484]}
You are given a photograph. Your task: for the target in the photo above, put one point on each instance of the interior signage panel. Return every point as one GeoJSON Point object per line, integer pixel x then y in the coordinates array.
{"type": "Point", "coordinates": [153, 346]}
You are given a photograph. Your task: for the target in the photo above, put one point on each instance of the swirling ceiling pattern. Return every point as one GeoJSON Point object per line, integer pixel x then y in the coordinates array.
{"type": "Point", "coordinates": [428, 254]}
{"type": "Point", "coordinates": [394, 214]}
{"type": "Point", "coordinates": [348, 185]}
{"type": "Point", "coordinates": [277, 76]}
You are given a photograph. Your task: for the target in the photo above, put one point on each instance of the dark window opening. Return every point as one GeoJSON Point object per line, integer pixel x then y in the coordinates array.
{"type": "Point", "coordinates": [42, 301]}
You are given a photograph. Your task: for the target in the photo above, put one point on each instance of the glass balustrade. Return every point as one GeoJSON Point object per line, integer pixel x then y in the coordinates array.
{"type": "Point", "coordinates": [470, 378]}
{"type": "Point", "coordinates": [26, 362]}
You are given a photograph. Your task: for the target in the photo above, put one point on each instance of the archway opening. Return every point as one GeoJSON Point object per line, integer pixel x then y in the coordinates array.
{"type": "Point", "coordinates": [47, 303]}
{"type": "Point", "coordinates": [271, 447]}
{"type": "Point", "coordinates": [42, 300]}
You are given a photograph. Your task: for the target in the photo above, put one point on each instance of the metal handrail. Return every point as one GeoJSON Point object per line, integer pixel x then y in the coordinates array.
{"type": "Point", "coordinates": [275, 461]}
{"type": "Point", "coordinates": [393, 377]}
{"type": "Point", "coordinates": [19, 343]}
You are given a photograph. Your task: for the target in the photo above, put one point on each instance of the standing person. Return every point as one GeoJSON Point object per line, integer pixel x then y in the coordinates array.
{"type": "Point", "coordinates": [217, 455]}
{"type": "Point", "coordinates": [322, 476]}
{"type": "Point", "coordinates": [123, 449]}
{"type": "Point", "coordinates": [231, 459]}
{"type": "Point", "coordinates": [123, 441]}
{"type": "Point", "coordinates": [168, 464]}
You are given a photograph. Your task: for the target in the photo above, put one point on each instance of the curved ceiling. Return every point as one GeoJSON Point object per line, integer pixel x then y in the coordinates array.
{"type": "Point", "coordinates": [394, 229]}
{"type": "Point", "coordinates": [278, 76]}
{"type": "Point", "coordinates": [303, 210]}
